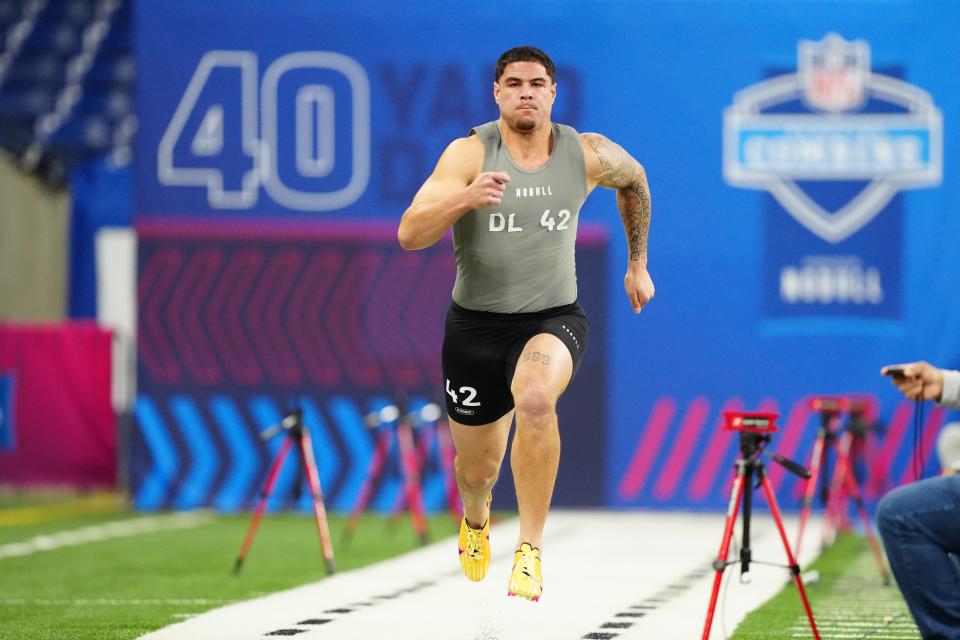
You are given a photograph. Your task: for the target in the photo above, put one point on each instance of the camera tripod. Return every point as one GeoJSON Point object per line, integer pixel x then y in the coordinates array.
{"type": "Point", "coordinates": [755, 429]}
{"type": "Point", "coordinates": [297, 433]}
{"type": "Point", "coordinates": [431, 431]}
{"type": "Point", "coordinates": [404, 422]}
{"type": "Point", "coordinates": [848, 444]}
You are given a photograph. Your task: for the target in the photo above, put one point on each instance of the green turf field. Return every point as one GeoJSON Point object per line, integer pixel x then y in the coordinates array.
{"type": "Point", "coordinates": [123, 587]}
{"type": "Point", "coordinates": [849, 602]}
{"type": "Point", "coordinates": [120, 588]}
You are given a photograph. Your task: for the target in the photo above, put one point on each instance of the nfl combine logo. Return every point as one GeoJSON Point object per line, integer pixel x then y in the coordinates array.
{"type": "Point", "coordinates": [897, 147]}
{"type": "Point", "coordinates": [833, 143]}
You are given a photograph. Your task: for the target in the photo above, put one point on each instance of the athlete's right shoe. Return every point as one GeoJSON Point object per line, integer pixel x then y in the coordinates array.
{"type": "Point", "coordinates": [526, 579]}
{"type": "Point", "coordinates": [475, 549]}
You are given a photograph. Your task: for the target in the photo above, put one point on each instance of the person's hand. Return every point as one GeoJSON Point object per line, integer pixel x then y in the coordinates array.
{"type": "Point", "coordinates": [638, 285]}
{"type": "Point", "coordinates": [487, 189]}
{"type": "Point", "coordinates": [917, 381]}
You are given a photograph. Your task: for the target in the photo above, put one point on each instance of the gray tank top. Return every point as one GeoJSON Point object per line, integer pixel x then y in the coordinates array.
{"type": "Point", "coordinates": [519, 255]}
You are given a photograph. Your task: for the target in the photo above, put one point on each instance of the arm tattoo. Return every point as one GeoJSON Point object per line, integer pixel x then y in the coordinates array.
{"type": "Point", "coordinates": [634, 205]}
{"type": "Point", "coordinates": [623, 173]}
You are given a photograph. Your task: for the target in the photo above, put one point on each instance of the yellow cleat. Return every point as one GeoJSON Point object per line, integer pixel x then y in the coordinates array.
{"type": "Point", "coordinates": [475, 549]}
{"type": "Point", "coordinates": [526, 580]}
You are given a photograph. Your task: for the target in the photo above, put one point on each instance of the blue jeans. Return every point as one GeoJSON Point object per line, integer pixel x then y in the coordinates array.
{"type": "Point", "coordinates": [920, 526]}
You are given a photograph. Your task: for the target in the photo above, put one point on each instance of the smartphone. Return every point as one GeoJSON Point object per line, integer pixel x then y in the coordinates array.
{"type": "Point", "coordinates": [895, 372]}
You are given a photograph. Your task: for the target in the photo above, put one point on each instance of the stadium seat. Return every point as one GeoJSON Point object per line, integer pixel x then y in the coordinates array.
{"type": "Point", "coordinates": [63, 37]}
{"type": "Point", "coordinates": [9, 13]}
{"type": "Point", "coordinates": [33, 83]}
{"type": "Point", "coordinates": [112, 68]}
{"type": "Point", "coordinates": [114, 103]}
{"type": "Point", "coordinates": [78, 12]}
{"type": "Point", "coordinates": [39, 67]}
{"type": "Point", "coordinates": [26, 101]}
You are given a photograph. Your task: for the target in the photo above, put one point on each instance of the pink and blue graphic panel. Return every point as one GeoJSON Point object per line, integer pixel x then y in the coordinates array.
{"type": "Point", "coordinates": [243, 321]}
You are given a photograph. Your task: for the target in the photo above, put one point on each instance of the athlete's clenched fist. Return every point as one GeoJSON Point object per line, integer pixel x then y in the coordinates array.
{"type": "Point", "coordinates": [487, 189]}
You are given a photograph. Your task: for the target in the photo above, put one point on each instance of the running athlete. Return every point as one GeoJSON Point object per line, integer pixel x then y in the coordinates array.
{"type": "Point", "coordinates": [514, 337]}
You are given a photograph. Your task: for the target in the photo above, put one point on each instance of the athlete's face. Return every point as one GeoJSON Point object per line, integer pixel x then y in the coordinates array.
{"type": "Point", "coordinates": [525, 94]}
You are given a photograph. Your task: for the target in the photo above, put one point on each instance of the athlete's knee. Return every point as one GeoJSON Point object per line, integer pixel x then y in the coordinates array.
{"type": "Point", "coordinates": [534, 403]}
{"type": "Point", "coordinates": [477, 474]}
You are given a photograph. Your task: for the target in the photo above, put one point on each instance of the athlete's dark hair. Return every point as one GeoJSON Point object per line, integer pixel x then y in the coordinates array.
{"type": "Point", "coordinates": [524, 54]}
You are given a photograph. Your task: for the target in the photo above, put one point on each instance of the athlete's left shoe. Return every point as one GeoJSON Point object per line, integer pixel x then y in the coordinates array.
{"type": "Point", "coordinates": [475, 548]}
{"type": "Point", "coordinates": [526, 579]}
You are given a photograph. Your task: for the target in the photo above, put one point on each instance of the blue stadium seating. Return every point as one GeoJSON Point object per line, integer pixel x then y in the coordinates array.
{"type": "Point", "coordinates": [9, 13]}
{"type": "Point", "coordinates": [51, 49]}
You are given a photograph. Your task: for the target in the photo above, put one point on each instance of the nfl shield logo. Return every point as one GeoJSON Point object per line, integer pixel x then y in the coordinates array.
{"type": "Point", "coordinates": [834, 73]}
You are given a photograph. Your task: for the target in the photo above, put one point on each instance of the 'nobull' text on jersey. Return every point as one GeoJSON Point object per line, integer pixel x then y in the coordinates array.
{"type": "Point", "coordinates": [518, 256]}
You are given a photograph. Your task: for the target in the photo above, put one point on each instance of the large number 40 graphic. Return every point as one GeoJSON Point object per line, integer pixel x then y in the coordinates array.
{"type": "Point", "coordinates": [213, 141]}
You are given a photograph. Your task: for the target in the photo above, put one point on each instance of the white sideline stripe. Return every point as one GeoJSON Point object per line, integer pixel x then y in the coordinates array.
{"type": "Point", "coordinates": [650, 570]}
{"type": "Point", "coordinates": [108, 531]}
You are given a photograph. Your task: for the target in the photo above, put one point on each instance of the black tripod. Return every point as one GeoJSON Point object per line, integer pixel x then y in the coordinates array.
{"type": "Point", "coordinates": [297, 433]}
{"type": "Point", "coordinates": [755, 430]}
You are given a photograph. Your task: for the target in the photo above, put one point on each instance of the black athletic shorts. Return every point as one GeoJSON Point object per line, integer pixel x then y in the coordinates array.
{"type": "Point", "coordinates": [480, 352]}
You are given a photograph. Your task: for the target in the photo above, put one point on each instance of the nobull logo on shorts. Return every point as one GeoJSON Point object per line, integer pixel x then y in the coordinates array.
{"type": "Point", "coordinates": [833, 143]}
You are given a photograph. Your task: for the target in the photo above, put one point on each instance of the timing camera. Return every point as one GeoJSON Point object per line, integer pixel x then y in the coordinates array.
{"type": "Point", "coordinates": [750, 422]}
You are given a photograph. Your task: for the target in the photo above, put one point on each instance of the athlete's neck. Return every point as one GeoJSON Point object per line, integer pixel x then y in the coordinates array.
{"type": "Point", "coordinates": [529, 149]}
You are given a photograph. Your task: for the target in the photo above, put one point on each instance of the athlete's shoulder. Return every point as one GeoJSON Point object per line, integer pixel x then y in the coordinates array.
{"type": "Point", "coordinates": [593, 140]}
{"type": "Point", "coordinates": [467, 147]}
{"type": "Point", "coordinates": [486, 131]}
{"type": "Point", "coordinates": [596, 144]}
{"type": "Point", "coordinates": [607, 163]}
{"type": "Point", "coordinates": [463, 156]}
{"type": "Point", "coordinates": [567, 130]}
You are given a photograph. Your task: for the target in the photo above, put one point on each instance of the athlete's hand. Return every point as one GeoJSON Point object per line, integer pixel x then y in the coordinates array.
{"type": "Point", "coordinates": [917, 378]}
{"type": "Point", "coordinates": [639, 286]}
{"type": "Point", "coordinates": [487, 189]}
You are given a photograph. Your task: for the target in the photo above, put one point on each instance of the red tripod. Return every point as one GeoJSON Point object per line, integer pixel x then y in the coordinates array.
{"type": "Point", "coordinates": [848, 444]}
{"type": "Point", "coordinates": [755, 430]}
{"type": "Point", "coordinates": [829, 410]}
{"type": "Point", "coordinates": [297, 433]}
{"type": "Point", "coordinates": [429, 433]}
{"type": "Point", "coordinates": [410, 463]}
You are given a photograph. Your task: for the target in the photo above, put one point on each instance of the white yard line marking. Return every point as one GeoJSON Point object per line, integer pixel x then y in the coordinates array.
{"type": "Point", "coordinates": [860, 609]}
{"type": "Point", "coordinates": [108, 531]}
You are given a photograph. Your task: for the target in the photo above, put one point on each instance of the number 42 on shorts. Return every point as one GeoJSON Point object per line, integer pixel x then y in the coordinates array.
{"type": "Point", "coordinates": [469, 392]}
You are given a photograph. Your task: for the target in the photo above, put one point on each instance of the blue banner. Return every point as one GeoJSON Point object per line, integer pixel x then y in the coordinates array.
{"type": "Point", "coordinates": [804, 227]}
